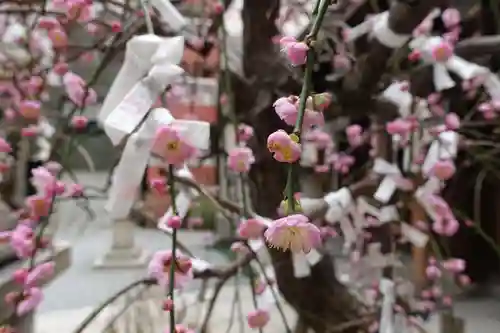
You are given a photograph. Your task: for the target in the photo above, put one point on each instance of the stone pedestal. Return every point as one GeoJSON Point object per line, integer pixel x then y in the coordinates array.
{"type": "Point", "coordinates": [123, 252]}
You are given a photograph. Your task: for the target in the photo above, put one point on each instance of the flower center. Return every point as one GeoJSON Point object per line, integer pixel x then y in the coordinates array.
{"type": "Point", "coordinates": [287, 153]}
{"type": "Point", "coordinates": [441, 54]}
{"type": "Point", "coordinates": [273, 146]}
{"type": "Point", "coordinates": [173, 145]}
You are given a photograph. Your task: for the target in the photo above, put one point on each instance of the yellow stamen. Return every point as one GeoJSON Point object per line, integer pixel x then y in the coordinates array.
{"type": "Point", "coordinates": [173, 145]}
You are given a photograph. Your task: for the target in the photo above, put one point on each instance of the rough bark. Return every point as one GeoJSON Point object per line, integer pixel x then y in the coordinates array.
{"type": "Point", "coordinates": [321, 301]}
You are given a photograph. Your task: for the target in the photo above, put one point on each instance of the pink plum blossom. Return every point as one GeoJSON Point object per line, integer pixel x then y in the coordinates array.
{"type": "Point", "coordinates": [22, 241]}
{"type": "Point", "coordinates": [443, 169]}
{"type": "Point", "coordinates": [30, 299]}
{"type": "Point", "coordinates": [251, 229]}
{"type": "Point", "coordinates": [30, 109]}
{"type": "Point", "coordinates": [245, 132]}
{"type": "Point", "coordinates": [452, 121]}
{"type": "Point", "coordinates": [161, 263]}
{"type": "Point", "coordinates": [283, 146]}
{"type": "Point", "coordinates": [58, 37]}
{"type": "Point", "coordinates": [433, 272]}
{"type": "Point", "coordinates": [174, 222]}
{"type": "Point", "coordinates": [44, 180]}
{"type": "Point", "coordinates": [77, 91]}
{"type": "Point", "coordinates": [258, 319]}
{"type": "Point", "coordinates": [442, 52]}
{"type": "Point", "coordinates": [450, 17]}
{"type": "Point", "coordinates": [40, 273]}
{"type": "Point", "coordinates": [287, 109]}
{"type": "Point", "coordinates": [454, 265]}
{"type": "Point", "coordinates": [399, 126]}
{"type": "Point", "coordinates": [39, 206]}
{"type": "Point", "coordinates": [294, 233]}
{"type": "Point", "coordinates": [79, 122]}
{"type": "Point", "coordinates": [170, 145]}
{"type": "Point", "coordinates": [240, 159]}
{"type": "Point", "coordinates": [354, 135]}
{"type": "Point", "coordinates": [296, 51]}
{"type": "Point", "coordinates": [4, 146]}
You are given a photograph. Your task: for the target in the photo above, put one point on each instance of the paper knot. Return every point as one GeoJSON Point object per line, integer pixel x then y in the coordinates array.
{"type": "Point", "coordinates": [434, 50]}
{"type": "Point", "coordinates": [385, 35]}
{"type": "Point", "coordinates": [338, 203]}
{"type": "Point", "coordinates": [150, 64]}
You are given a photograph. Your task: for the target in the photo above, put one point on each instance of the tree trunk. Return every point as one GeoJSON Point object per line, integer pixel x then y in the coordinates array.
{"type": "Point", "coordinates": [320, 300]}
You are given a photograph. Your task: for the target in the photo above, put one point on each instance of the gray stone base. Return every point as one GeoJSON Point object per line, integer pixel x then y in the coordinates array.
{"type": "Point", "coordinates": [123, 258]}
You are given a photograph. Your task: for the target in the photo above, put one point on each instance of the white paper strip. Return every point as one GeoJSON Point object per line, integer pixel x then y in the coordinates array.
{"type": "Point", "coordinates": [301, 267]}
{"type": "Point", "coordinates": [388, 214]}
{"type": "Point", "coordinates": [383, 33]}
{"type": "Point", "coordinates": [387, 315]}
{"type": "Point", "coordinates": [137, 63]}
{"type": "Point", "coordinates": [128, 174]}
{"type": "Point", "coordinates": [442, 80]}
{"type": "Point", "coordinates": [388, 185]}
{"type": "Point", "coordinates": [183, 200]}
{"type": "Point", "coordinates": [414, 236]}
{"type": "Point", "coordinates": [348, 231]}
{"type": "Point", "coordinates": [338, 202]}
{"type": "Point", "coordinates": [313, 257]}
{"type": "Point", "coordinates": [444, 147]}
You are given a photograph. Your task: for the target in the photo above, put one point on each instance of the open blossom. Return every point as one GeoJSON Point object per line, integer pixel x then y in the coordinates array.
{"type": "Point", "coordinates": [447, 227]}
{"type": "Point", "coordinates": [58, 37]}
{"type": "Point", "coordinates": [251, 229]}
{"type": "Point", "coordinates": [399, 126]}
{"type": "Point", "coordinates": [354, 135]}
{"type": "Point", "coordinates": [443, 170]}
{"type": "Point", "coordinates": [44, 181]}
{"type": "Point", "coordinates": [37, 275]}
{"type": "Point", "coordinates": [245, 132]}
{"type": "Point", "coordinates": [79, 122]}
{"type": "Point", "coordinates": [240, 159]}
{"type": "Point", "coordinates": [77, 91]}
{"type": "Point", "coordinates": [287, 109]}
{"type": "Point", "coordinates": [342, 162]}
{"type": "Point", "coordinates": [454, 265]}
{"type": "Point", "coordinates": [318, 102]}
{"type": "Point", "coordinates": [294, 233]}
{"type": "Point", "coordinates": [161, 263]}
{"type": "Point", "coordinates": [284, 147]}
{"type": "Point", "coordinates": [27, 300]}
{"type": "Point", "coordinates": [170, 145]}
{"type": "Point", "coordinates": [22, 240]}
{"type": "Point", "coordinates": [4, 146]}
{"type": "Point", "coordinates": [433, 272]}
{"type": "Point", "coordinates": [442, 52]}
{"type": "Point", "coordinates": [39, 206]}
{"type": "Point", "coordinates": [450, 17]}
{"type": "Point", "coordinates": [258, 319]}
{"type": "Point", "coordinates": [296, 51]}
{"type": "Point", "coordinates": [30, 109]}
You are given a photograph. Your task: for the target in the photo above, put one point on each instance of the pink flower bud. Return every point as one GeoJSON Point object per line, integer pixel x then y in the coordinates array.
{"type": "Point", "coordinates": [168, 305]}
{"type": "Point", "coordinates": [30, 109]}
{"type": "Point", "coordinates": [116, 26]}
{"type": "Point", "coordinates": [20, 275]}
{"type": "Point", "coordinates": [450, 17]}
{"type": "Point", "coordinates": [452, 121]}
{"type": "Point", "coordinates": [444, 169]}
{"type": "Point", "coordinates": [58, 37]}
{"type": "Point", "coordinates": [79, 122]}
{"type": "Point", "coordinates": [175, 222]}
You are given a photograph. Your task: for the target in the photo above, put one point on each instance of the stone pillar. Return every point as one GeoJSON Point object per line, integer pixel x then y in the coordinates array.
{"type": "Point", "coordinates": [123, 252]}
